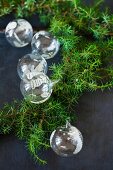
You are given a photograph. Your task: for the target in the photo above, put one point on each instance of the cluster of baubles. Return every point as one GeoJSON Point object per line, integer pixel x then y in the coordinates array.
{"type": "Point", "coordinates": [35, 84]}
{"type": "Point", "coordinates": [32, 68]}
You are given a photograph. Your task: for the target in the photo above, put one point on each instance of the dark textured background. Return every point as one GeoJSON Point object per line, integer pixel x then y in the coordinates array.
{"type": "Point", "coordinates": [95, 120]}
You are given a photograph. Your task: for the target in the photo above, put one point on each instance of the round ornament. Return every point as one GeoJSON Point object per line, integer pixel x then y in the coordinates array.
{"type": "Point", "coordinates": [66, 140]}
{"type": "Point", "coordinates": [19, 33]}
{"type": "Point", "coordinates": [28, 67]}
{"type": "Point", "coordinates": [38, 89]}
{"type": "Point", "coordinates": [44, 44]}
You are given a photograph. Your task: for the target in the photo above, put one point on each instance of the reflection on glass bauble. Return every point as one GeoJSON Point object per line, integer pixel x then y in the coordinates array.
{"type": "Point", "coordinates": [19, 33]}
{"type": "Point", "coordinates": [28, 67]}
{"type": "Point", "coordinates": [44, 44]}
{"type": "Point", "coordinates": [38, 89]}
{"type": "Point", "coordinates": [66, 140]}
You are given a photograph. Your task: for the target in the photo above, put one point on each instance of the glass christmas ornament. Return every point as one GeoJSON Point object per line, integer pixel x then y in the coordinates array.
{"type": "Point", "coordinates": [19, 33]}
{"type": "Point", "coordinates": [66, 140]}
{"type": "Point", "coordinates": [28, 67]}
{"type": "Point", "coordinates": [44, 44]}
{"type": "Point", "coordinates": [38, 89]}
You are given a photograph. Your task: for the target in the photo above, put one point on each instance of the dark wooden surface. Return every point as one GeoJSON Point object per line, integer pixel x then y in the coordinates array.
{"type": "Point", "coordinates": [95, 121]}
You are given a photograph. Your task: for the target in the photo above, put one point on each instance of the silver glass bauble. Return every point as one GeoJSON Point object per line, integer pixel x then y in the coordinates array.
{"type": "Point", "coordinates": [19, 33]}
{"type": "Point", "coordinates": [38, 89]}
{"type": "Point", "coordinates": [66, 140]}
{"type": "Point", "coordinates": [44, 44]}
{"type": "Point", "coordinates": [28, 67]}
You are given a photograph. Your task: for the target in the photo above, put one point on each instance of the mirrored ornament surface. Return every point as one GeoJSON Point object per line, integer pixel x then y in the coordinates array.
{"type": "Point", "coordinates": [38, 89]}
{"type": "Point", "coordinates": [44, 44]}
{"type": "Point", "coordinates": [66, 141]}
{"type": "Point", "coordinates": [19, 33]}
{"type": "Point", "coordinates": [28, 67]}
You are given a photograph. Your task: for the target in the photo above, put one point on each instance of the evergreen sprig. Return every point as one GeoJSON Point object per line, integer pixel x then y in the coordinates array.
{"type": "Point", "coordinates": [85, 35]}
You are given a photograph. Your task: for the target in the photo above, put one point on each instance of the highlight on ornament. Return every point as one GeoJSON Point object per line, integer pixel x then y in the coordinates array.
{"type": "Point", "coordinates": [19, 32]}
{"type": "Point", "coordinates": [44, 44]}
{"type": "Point", "coordinates": [28, 66]}
{"type": "Point", "coordinates": [66, 140]}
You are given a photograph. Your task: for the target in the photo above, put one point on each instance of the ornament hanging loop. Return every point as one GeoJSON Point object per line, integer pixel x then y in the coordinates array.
{"type": "Point", "coordinates": [68, 125]}
{"type": "Point", "coordinates": [53, 83]}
